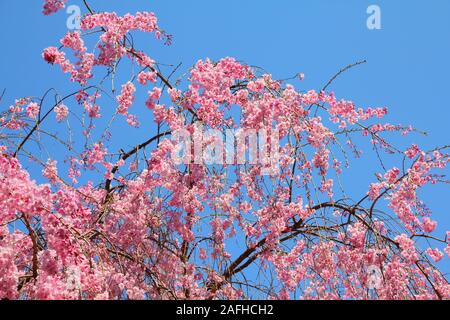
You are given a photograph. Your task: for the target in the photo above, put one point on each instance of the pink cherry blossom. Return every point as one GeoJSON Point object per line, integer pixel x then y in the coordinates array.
{"type": "Point", "coordinates": [61, 112]}
{"type": "Point", "coordinates": [126, 98]}
{"type": "Point", "coordinates": [33, 110]}
{"type": "Point", "coordinates": [50, 171]}
{"type": "Point", "coordinates": [90, 211]}
{"type": "Point", "coordinates": [429, 225]}
{"type": "Point", "coordinates": [435, 254]}
{"type": "Point", "coordinates": [407, 247]}
{"type": "Point", "coordinates": [143, 77]}
{"type": "Point", "coordinates": [52, 6]}
{"type": "Point", "coordinates": [412, 151]}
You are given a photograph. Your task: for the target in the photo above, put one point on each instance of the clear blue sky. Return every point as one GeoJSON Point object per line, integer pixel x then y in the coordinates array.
{"type": "Point", "coordinates": [408, 59]}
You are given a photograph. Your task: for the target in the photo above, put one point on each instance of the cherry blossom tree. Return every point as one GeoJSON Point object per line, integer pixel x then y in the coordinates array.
{"type": "Point", "coordinates": [135, 224]}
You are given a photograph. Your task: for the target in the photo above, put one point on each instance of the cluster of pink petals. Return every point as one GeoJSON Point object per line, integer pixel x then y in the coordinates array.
{"type": "Point", "coordinates": [33, 110]}
{"type": "Point", "coordinates": [126, 97]}
{"type": "Point", "coordinates": [155, 230]}
{"type": "Point", "coordinates": [210, 87]}
{"type": "Point", "coordinates": [408, 249]}
{"type": "Point", "coordinates": [116, 28]}
{"type": "Point", "coordinates": [153, 97]}
{"type": "Point", "coordinates": [412, 151]}
{"type": "Point", "coordinates": [435, 254]}
{"type": "Point", "coordinates": [50, 171]}
{"type": "Point", "coordinates": [53, 55]}
{"type": "Point", "coordinates": [96, 154]}
{"type": "Point", "coordinates": [429, 225]}
{"type": "Point", "coordinates": [143, 77]}
{"type": "Point", "coordinates": [52, 6]}
{"type": "Point", "coordinates": [80, 72]}
{"type": "Point", "coordinates": [73, 40]}
{"type": "Point", "coordinates": [61, 111]}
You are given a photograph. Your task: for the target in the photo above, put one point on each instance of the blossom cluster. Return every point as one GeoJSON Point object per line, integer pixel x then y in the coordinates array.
{"type": "Point", "coordinates": [131, 222]}
{"type": "Point", "coordinates": [52, 6]}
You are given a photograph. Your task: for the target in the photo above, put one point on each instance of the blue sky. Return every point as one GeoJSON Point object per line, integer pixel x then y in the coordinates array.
{"type": "Point", "coordinates": [407, 69]}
